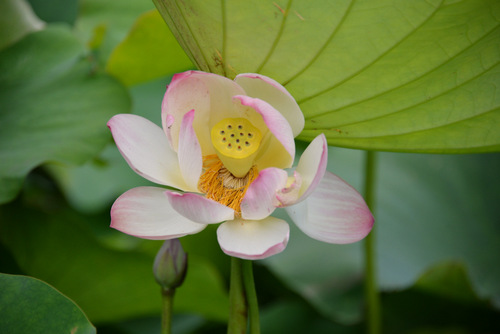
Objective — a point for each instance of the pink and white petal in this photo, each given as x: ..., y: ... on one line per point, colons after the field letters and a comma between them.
x: 210, y: 95
x: 277, y: 146
x: 190, y: 159
x: 334, y: 213
x: 311, y: 167
x: 269, y: 90
x: 144, y: 212
x: 260, y: 198
x: 275, y: 122
x: 146, y: 149
x: 198, y: 208
x: 253, y: 239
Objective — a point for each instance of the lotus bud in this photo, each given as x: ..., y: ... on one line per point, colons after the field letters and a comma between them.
x: 170, y: 265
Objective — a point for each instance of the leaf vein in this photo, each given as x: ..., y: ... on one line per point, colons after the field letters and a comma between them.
x: 427, y: 100
x: 414, y: 79
x: 431, y: 128
x: 278, y: 37
x: 374, y: 60
x: 323, y: 47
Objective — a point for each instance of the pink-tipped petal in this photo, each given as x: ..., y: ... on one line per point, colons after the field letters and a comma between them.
x: 260, y: 198
x: 199, y: 209
x: 276, y: 123
x: 146, y: 149
x: 207, y: 93
x: 269, y: 90
x: 334, y: 213
x: 144, y: 212
x: 279, y: 145
x: 190, y: 159
x: 253, y: 239
x: 310, y: 170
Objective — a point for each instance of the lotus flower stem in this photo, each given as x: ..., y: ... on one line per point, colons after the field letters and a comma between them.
x: 371, y: 291
x: 237, y: 323
x: 251, y: 294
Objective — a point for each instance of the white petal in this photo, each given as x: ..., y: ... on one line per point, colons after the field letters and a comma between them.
x: 144, y: 212
x: 309, y: 171
x: 210, y: 95
x: 334, y: 213
x: 190, y: 160
x: 253, y: 239
x: 146, y: 149
x: 269, y: 90
x: 199, y: 209
x: 260, y: 198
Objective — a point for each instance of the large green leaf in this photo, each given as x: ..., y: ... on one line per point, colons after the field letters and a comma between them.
x: 53, y: 107
x: 417, y: 76
x: 149, y: 52
x: 429, y: 209
x: 28, y: 305
x: 109, y: 282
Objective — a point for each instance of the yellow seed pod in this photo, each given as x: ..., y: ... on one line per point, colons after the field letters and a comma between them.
x: 236, y: 141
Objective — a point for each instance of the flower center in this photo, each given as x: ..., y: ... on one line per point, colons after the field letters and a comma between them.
x: 219, y: 184
x: 236, y: 142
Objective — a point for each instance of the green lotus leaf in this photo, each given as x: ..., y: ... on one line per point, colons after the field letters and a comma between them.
x: 414, y: 76
x: 28, y: 305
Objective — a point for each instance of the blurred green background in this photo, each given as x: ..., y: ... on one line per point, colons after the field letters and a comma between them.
x: 67, y: 66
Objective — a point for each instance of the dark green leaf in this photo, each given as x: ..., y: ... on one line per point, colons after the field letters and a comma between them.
x: 29, y: 305
x: 448, y: 280
x: 56, y: 10
x: 420, y: 310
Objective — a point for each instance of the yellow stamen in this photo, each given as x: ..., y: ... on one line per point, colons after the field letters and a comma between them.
x: 219, y: 184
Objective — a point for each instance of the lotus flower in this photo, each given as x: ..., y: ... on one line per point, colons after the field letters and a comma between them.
x: 227, y: 148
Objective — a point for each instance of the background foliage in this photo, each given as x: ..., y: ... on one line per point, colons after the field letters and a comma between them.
x: 416, y: 76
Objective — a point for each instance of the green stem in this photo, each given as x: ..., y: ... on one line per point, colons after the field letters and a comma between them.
x: 166, y: 314
x: 371, y: 291
x: 253, y: 305
x: 237, y: 323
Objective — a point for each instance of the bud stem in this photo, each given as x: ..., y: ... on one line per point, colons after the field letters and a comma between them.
x: 166, y: 314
